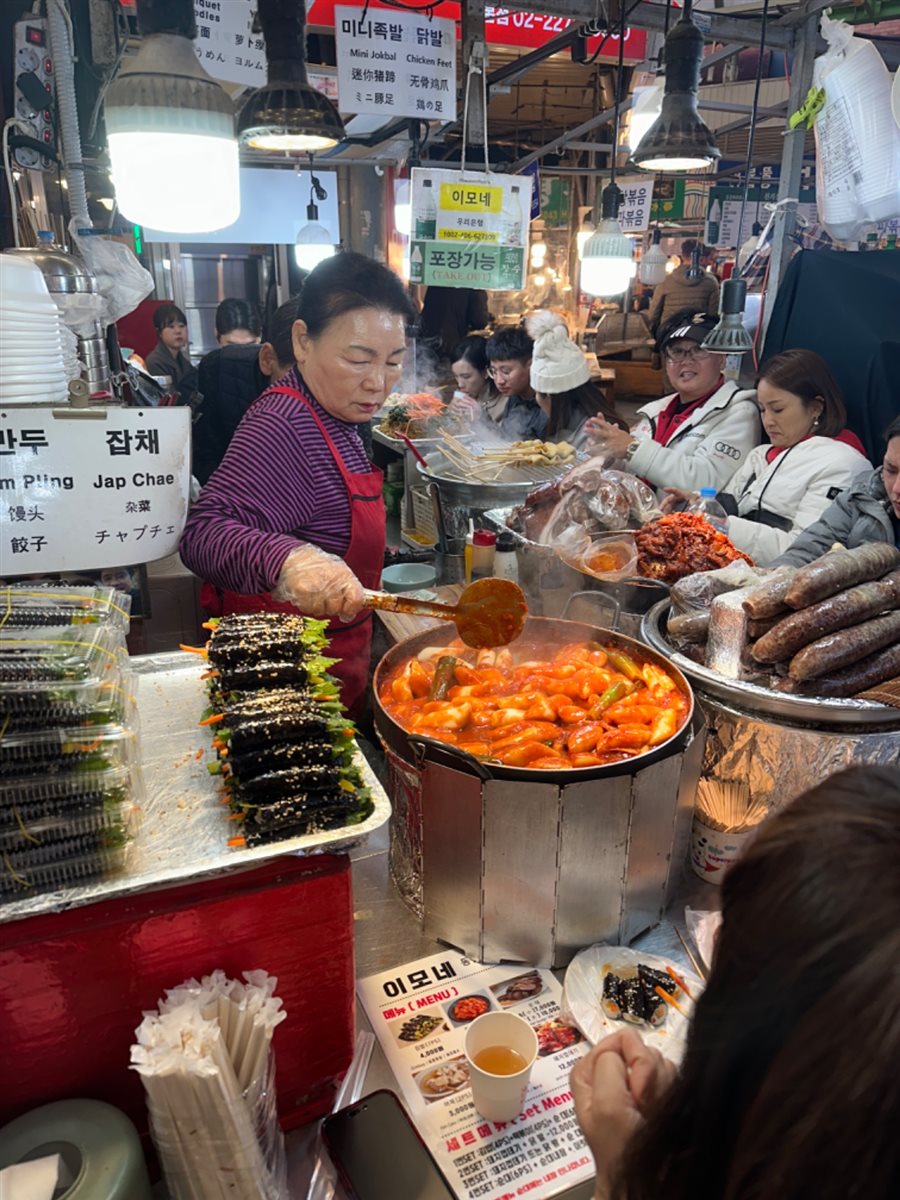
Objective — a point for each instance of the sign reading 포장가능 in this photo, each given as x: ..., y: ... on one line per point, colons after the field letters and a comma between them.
x: 469, y: 230
x: 107, y: 488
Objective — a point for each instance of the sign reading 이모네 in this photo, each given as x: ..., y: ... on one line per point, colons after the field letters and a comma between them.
x: 396, y: 64
x: 75, y: 491
x: 469, y: 230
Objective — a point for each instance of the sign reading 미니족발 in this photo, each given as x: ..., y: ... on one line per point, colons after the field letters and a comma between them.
x: 74, y: 491
x: 395, y: 64
x: 469, y: 230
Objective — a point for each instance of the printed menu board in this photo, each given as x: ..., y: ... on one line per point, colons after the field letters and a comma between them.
x: 420, y: 1013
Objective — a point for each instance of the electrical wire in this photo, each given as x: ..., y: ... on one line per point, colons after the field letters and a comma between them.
x: 12, y: 122
x: 620, y: 71
x: 67, y: 17
x: 754, y: 111
x: 104, y: 87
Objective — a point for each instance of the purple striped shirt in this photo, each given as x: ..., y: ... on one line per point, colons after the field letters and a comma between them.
x: 276, y: 487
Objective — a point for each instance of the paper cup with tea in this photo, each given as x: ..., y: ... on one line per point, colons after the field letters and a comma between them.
x: 500, y: 1051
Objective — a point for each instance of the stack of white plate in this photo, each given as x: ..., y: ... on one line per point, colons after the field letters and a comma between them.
x: 31, y: 354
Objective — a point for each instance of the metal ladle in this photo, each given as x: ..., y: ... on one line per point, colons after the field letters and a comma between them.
x: 489, y: 612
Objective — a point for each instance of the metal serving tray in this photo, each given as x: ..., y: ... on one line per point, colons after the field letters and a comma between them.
x: 184, y: 830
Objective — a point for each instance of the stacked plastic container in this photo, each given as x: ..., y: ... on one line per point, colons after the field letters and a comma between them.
x: 32, y: 367
x: 69, y: 775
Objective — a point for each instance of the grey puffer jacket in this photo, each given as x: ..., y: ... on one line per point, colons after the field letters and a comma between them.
x: 860, y: 514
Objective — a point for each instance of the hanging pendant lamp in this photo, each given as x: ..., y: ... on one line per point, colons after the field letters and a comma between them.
x: 679, y: 140
x: 652, y: 268
x: 163, y: 108
x: 287, y: 115
x: 730, y: 336
x: 607, y: 265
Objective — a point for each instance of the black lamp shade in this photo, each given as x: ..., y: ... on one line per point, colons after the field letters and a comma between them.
x: 289, y: 115
x: 679, y: 140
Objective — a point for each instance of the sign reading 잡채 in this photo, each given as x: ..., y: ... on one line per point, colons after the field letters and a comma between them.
x: 403, y: 65
x: 469, y: 230
x: 74, y: 491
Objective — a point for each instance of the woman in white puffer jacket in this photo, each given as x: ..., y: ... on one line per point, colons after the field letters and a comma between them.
x: 785, y: 486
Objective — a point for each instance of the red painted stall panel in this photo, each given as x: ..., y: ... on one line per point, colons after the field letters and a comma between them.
x: 73, y: 985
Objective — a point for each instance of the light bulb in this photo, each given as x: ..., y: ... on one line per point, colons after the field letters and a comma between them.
x: 671, y: 265
x: 653, y: 265
x: 607, y: 266
x: 583, y: 236
x: 163, y: 107
x: 402, y: 207
x: 308, y: 255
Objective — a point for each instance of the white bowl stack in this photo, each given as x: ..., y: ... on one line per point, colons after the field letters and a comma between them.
x: 31, y: 352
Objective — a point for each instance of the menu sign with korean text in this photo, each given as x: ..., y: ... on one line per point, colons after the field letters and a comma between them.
x: 231, y: 50
x: 420, y: 1013
x: 469, y: 230
x: 396, y: 64
x: 74, y: 491
x: 502, y: 26
x: 634, y: 215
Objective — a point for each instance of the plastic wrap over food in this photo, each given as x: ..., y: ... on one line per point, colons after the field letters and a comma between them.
x: 596, y: 501
x: 779, y: 762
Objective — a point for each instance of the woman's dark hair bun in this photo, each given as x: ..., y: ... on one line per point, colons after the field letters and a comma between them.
x: 347, y: 281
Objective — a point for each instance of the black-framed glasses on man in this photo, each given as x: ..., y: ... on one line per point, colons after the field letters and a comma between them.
x: 686, y: 353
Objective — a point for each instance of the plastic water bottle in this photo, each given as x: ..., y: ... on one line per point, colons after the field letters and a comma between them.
x: 707, y: 506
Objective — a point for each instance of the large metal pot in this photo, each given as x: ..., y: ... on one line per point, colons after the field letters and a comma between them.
x: 528, y: 865
x: 778, y: 744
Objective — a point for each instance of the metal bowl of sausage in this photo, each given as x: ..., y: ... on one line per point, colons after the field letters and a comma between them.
x: 788, y: 709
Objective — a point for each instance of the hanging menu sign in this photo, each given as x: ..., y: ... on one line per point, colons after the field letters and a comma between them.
x: 469, y: 230
x: 231, y: 50
x: 420, y: 1013
x: 109, y: 487
x: 634, y: 215
x: 396, y: 64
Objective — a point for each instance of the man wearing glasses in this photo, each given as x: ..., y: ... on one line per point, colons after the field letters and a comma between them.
x: 509, y: 357
x: 697, y: 437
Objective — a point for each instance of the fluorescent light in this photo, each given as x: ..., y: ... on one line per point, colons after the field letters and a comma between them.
x: 607, y: 265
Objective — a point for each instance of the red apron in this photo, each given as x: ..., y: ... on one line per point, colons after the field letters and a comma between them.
x: 351, y: 641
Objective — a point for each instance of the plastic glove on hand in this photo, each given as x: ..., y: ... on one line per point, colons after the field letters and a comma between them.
x: 319, y: 584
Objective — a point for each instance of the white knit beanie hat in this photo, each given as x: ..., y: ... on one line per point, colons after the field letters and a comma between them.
x: 557, y: 364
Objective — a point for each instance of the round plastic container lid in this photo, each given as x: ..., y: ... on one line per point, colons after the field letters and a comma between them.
x: 484, y: 537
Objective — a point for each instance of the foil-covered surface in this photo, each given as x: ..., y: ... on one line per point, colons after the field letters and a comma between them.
x: 183, y: 829
x: 780, y: 761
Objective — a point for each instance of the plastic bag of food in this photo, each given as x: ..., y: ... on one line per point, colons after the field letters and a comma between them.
x: 857, y: 139
x: 642, y: 503
x: 611, y: 558
x: 697, y: 592
x: 122, y: 281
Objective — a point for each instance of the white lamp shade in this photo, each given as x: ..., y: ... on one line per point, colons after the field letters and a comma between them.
x: 206, y: 196
x: 583, y: 236
x: 652, y: 268
x: 607, y: 266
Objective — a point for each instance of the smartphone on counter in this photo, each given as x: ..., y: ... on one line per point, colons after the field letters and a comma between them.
x: 378, y: 1152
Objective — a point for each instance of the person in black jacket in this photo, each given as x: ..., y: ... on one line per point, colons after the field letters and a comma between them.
x: 448, y: 314
x: 230, y: 379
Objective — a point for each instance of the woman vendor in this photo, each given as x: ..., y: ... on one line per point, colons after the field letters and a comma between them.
x: 786, y: 485
x: 561, y: 379
x: 697, y: 437
x: 293, y: 517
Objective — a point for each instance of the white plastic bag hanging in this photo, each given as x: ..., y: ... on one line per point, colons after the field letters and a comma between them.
x: 857, y: 140
x: 122, y: 281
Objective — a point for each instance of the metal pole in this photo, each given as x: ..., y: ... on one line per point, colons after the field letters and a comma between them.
x: 474, y: 49
x: 791, y: 163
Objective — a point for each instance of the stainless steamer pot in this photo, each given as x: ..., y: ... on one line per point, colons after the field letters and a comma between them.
x: 514, y: 864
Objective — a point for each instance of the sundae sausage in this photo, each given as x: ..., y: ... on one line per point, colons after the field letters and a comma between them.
x: 847, y: 608
x: 847, y: 646
x: 839, y: 570
x: 768, y: 599
x: 875, y: 669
